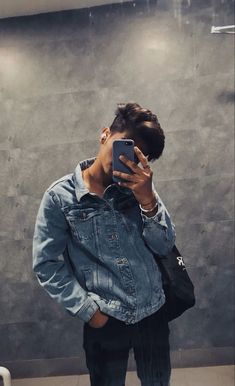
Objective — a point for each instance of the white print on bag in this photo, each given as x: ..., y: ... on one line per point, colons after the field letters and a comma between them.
x: 180, y: 261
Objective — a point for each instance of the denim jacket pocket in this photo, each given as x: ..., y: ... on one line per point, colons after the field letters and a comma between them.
x: 82, y: 223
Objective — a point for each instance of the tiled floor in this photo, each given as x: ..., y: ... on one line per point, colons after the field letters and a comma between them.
x: 198, y: 376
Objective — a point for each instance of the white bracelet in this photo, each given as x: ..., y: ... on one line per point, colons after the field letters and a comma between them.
x: 148, y: 210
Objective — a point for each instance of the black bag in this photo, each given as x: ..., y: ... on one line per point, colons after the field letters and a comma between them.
x: 178, y: 288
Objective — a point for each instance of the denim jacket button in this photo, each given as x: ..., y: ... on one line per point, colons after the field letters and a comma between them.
x: 113, y: 236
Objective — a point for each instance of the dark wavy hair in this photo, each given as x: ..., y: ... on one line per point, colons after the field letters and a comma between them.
x: 141, y: 125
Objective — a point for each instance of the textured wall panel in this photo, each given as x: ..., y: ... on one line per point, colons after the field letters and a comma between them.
x: 61, y: 76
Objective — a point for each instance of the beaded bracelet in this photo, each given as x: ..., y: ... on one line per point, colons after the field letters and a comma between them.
x: 148, y: 210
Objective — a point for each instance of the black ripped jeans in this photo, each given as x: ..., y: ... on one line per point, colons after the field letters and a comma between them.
x: 107, y: 350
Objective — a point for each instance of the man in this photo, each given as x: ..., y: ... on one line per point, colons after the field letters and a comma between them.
x: 93, y: 252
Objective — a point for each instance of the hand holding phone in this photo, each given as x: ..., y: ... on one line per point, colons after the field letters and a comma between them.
x: 138, y: 178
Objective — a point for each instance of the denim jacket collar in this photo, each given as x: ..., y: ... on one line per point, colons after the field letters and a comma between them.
x: 81, y: 189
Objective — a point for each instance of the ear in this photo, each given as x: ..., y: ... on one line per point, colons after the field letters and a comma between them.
x: 104, y: 134
x: 106, y: 130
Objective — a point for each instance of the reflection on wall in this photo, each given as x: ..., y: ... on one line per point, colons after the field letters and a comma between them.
x: 61, y: 76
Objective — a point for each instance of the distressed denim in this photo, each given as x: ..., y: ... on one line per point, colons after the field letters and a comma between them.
x: 109, y: 263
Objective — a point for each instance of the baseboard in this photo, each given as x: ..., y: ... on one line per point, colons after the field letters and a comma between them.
x: 216, y: 356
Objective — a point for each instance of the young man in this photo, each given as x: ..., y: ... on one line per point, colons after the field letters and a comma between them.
x: 93, y: 252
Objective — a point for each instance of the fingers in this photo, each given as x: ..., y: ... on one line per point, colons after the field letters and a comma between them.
x: 139, y: 174
x: 125, y: 176
x: 132, y: 165
x: 143, y: 160
x: 126, y: 184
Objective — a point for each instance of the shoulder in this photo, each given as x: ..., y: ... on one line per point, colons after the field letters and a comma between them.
x: 62, y: 181
x: 62, y: 190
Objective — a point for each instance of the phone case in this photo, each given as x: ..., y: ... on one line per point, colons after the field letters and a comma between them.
x: 126, y: 148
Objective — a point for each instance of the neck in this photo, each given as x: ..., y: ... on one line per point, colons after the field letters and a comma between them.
x: 95, y: 177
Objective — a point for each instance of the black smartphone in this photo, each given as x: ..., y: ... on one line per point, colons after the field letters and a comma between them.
x: 123, y: 147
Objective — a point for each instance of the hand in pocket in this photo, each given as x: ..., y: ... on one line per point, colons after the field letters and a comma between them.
x: 98, y: 320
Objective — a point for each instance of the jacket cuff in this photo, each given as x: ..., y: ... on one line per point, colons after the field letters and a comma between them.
x: 87, y: 310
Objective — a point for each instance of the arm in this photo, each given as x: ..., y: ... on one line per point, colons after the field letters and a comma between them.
x: 49, y: 243
x: 158, y: 229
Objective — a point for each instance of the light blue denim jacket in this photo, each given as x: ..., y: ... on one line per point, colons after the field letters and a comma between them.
x: 110, y: 244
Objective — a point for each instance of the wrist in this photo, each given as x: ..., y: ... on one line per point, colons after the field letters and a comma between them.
x: 150, y: 211
x: 149, y: 208
x: 148, y: 204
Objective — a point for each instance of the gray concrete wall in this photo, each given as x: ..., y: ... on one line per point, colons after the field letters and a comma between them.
x: 61, y: 75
